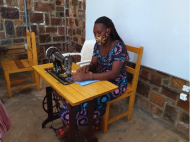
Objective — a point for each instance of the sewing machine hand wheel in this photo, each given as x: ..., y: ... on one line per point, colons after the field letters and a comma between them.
x: 55, y: 103
x: 51, y: 50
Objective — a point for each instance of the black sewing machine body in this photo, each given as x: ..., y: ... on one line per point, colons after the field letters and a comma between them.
x: 62, y: 66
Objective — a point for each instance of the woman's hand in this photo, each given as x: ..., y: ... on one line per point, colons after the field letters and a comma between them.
x: 83, y: 69
x: 81, y: 76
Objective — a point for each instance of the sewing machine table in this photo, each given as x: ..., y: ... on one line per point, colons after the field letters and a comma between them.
x: 75, y: 95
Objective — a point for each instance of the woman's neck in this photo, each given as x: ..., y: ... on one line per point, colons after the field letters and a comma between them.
x: 106, y: 48
x: 107, y: 44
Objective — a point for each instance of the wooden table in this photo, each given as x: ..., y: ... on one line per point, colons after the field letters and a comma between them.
x: 75, y: 95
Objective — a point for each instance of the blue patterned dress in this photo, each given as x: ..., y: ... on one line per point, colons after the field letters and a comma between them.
x: 118, y: 53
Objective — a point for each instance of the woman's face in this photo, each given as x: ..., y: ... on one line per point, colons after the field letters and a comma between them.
x: 100, y: 32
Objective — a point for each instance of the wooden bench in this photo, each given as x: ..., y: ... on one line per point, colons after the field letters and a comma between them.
x: 16, y: 66
x: 130, y: 92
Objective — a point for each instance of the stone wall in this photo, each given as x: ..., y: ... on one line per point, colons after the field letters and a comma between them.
x: 60, y: 23
x: 161, y: 103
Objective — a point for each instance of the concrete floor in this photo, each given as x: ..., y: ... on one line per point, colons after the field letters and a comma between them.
x: 27, y: 115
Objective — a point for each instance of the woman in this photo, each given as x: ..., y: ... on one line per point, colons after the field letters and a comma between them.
x: 110, y: 54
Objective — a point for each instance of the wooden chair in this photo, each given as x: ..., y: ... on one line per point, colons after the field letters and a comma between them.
x: 130, y: 92
x: 16, y: 66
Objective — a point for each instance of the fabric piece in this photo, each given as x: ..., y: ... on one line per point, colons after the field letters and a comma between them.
x: 118, y: 53
x: 5, y: 123
x: 86, y: 82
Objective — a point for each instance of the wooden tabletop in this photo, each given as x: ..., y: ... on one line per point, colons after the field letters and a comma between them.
x: 74, y: 93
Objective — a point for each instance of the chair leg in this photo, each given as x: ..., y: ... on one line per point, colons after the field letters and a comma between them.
x: 32, y: 76
x: 131, y: 104
x: 105, y: 119
x: 37, y: 76
x: 111, y: 104
x: 8, y: 83
x: 5, y: 79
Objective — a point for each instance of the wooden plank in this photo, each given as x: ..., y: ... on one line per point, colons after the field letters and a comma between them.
x: 130, y: 70
x: 76, y: 95
x: 29, y: 61
x: 129, y: 88
x: 105, y: 86
x: 19, y: 64
x: 49, y: 65
x: 132, y: 49
x: 87, y: 93
x: 118, y: 117
x: 25, y: 63
x: 99, y: 88
x: 14, y: 51
x: 30, y: 49
x: 37, y: 77
x: 21, y: 77
x: 20, y: 70
x: 12, y: 65
x: 34, y: 50
x: 17, y: 81
x: 5, y: 65
x: 7, y: 78
x: 77, y: 88
x: 111, y: 85
x: 23, y: 86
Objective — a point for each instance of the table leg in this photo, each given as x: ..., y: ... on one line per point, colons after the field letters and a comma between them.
x: 37, y: 77
x: 51, y: 116
x: 90, y: 137
x: 72, y: 123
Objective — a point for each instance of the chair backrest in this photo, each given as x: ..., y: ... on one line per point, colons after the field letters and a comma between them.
x: 136, y: 70
x: 87, y: 50
x: 31, y: 47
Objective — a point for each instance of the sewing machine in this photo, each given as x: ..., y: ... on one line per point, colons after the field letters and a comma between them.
x: 60, y: 72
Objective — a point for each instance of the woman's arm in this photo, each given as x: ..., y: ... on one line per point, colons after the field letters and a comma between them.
x: 91, y: 67
x: 110, y: 75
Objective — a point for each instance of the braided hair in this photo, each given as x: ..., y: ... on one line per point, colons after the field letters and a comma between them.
x: 114, y: 35
x: 109, y: 24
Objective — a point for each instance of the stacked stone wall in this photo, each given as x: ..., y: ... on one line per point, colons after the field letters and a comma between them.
x: 158, y: 94
x: 59, y: 23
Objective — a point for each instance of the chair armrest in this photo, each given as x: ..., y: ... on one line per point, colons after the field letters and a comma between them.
x: 87, y: 62
x: 71, y: 54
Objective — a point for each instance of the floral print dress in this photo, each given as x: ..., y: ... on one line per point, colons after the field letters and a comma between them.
x: 118, y: 53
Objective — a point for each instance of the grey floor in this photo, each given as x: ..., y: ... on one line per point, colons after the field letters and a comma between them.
x: 27, y: 115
